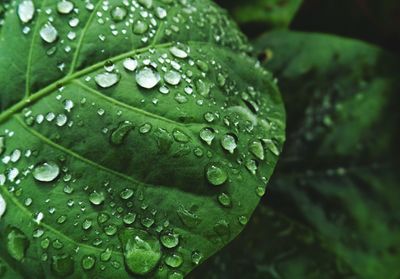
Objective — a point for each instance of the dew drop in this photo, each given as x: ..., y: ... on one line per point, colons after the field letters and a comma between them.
x: 172, y: 77
x: 106, y: 80
x: 142, y: 251
x: 130, y: 64
x: 224, y: 200
x: 169, y: 239
x: 147, y: 77
x: 17, y: 243
x: 175, y: 260
x: 207, y: 135
x: 3, y: 206
x: 49, y: 33
x: 65, y: 7
x: 118, y: 136
x: 228, y: 142
x: 46, y: 172
x: 196, y: 257
x: 257, y: 149
x: 178, y: 51
x: 96, y: 198
x: 216, y: 175
x: 88, y: 262
x: 140, y: 27
x: 118, y: 13
x: 26, y: 11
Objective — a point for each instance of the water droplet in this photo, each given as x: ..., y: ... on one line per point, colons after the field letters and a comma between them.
x: 3, y: 206
x: 105, y: 256
x: 161, y: 13
x: 203, y: 88
x: 129, y: 218
x: 49, y: 33
x: 119, y: 134
x: 2, y: 144
x: 62, y: 265
x: 140, y: 27
x: 243, y: 220
x: 126, y: 194
x: 130, y: 64
x: 208, y: 135
x: 147, y: 77
x: 17, y: 243
x: 228, y: 142
x: 175, y: 260
x: 106, y: 80
x: 175, y: 275
x: 65, y: 7
x: 252, y: 166
x: 222, y: 229
x: 169, y: 239
x: 118, y: 13
x: 96, y: 198
x: 180, y: 136
x: 271, y: 146
x: 216, y: 175
x: 196, y: 257
x: 26, y: 11
x: 172, y: 77
x: 46, y: 172
x: 142, y: 251
x: 224, y: 200
x: 179, y: 51
x: 88, y: 262
x: 257, y: 149
x: 145, y: 128
x: 188, y: 218
x: 260, y: 191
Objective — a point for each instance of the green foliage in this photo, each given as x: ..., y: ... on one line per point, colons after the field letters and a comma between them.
x: 332, y: 209
x: 125, y: 153
x: 267, y: 13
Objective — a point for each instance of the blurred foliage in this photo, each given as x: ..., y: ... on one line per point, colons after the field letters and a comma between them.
x: 376, y: 21
x: 257, y: 16
x: 332, y: 210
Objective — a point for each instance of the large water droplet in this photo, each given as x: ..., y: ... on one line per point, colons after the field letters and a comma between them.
x: 118, y: 13
x: 140, y: 27
x: 65, y: 7
x: 216, y: 175
x: 172, y: 77
x: 208, y: 135
x: 147, y: 77
x: 169, y: 239
x: 179, y: 51
x: 96, y: 198
x: 49, y: 33
x: 130, y: 64
x: 228, y: 142
x: 106, y: 80
x: 117, y: 137
x: 46, y: 172
x: 142, y: 251
x: 17, y: 243
x: 257, y: 149
x: 175, y: 260
x: 26, y: 11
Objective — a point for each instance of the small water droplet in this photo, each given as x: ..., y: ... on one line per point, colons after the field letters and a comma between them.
x: 140, y: 27
x: 179, y: 51
x: 96, y: 198
x: 88, y: 262
x: 175, y: 260
x: 119, y: 134
x: 46, y: 172
x: 130, y: 64
x: 257, y: 149
x: 196, y: 257
x: 169, y: 239
x: 118, y: 13
x: 147, y: 77
x: 65, y: 7
x: 228, y: 142
x: 207, y: 135
x: 172, y: 77
x: 224, y: 200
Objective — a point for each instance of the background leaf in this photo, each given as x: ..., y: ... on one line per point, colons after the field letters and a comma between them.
x: 332, y: 209
x: 125, y: 153
x: 257, y: 16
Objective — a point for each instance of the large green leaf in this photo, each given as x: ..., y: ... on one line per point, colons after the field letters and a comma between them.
x: 332, y: 209
x: 125, y: 153
x: 263, y: 13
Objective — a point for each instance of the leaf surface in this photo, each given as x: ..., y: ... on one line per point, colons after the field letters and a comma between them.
x: 135, y: 138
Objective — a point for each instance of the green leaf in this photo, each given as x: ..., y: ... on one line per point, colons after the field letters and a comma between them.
x: 268, y: 13
x: 332, y: 209
x: 126, y: 153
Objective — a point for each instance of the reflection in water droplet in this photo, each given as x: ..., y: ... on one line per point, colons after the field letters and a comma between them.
x: 26, y: 11
x: 49, y: 33
x: 46, y: 172
x: 147, y: 77
x: 216, y: 175
x: 142, y: 251
x: 106, y: 80
x: 17, y: 243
